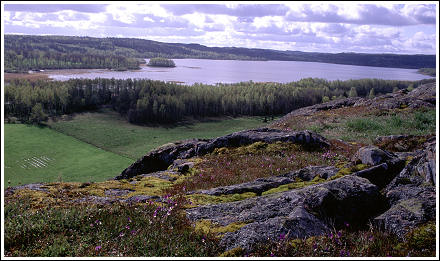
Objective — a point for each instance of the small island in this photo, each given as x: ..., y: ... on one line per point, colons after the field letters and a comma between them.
x: 161, y: 62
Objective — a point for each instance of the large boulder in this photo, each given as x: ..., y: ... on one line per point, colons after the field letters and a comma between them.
x: 385, y: 165
x: 163, y: 157
x: 372, y: 155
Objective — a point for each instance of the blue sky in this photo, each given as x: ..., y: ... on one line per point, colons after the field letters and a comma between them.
x: 371, y: 27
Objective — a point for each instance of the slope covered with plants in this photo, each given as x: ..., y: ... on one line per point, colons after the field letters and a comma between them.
x: 282, y: 190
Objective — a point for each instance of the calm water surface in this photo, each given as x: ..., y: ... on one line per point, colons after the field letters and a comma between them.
x: 190, y: 71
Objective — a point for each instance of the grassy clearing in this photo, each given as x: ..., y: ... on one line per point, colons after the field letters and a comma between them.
x: 39, y: 154
x: 363, y: 125
x: 109, y: 131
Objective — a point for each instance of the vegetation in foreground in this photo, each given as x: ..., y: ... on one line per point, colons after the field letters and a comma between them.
x: 116, y: 230
x: 161, y: 229
x: 39, y: 154
x: 420, y: 242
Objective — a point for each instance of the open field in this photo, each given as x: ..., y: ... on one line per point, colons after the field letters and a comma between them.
x: 109, y: 131
x: 37, y: 154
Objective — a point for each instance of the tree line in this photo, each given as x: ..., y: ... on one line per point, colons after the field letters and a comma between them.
x: 131, y: 48
x: 148, y: 101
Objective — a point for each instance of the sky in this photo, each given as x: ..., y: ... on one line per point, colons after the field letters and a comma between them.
x: 332, y: 27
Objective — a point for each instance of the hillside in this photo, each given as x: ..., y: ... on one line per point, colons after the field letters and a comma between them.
x: 27, y: 52
x: 332, y: 179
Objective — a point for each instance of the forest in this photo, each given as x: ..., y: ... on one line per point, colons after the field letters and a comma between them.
x: 26, y: 52
x: 148, y: 101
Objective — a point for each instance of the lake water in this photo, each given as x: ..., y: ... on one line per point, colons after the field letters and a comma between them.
x: 190, y: 71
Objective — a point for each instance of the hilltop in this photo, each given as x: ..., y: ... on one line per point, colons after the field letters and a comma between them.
x: 71, y: 52
x: 350, y: 177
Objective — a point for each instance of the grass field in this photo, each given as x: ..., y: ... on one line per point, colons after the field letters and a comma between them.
x: 109, y: 131
x: 37, y: 154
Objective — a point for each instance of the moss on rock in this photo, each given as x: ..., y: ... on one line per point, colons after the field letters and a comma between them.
x: 203, y: 199
x: 206, y: 226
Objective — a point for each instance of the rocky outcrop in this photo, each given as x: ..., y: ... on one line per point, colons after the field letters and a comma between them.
x: 331, y: 105
x: 411, y: 195
x: 260, y: 185
x: 257, y: 186
x: 163, y: 157
x: 403, y: 143
x: 422, y: 96
x: 299, y: 213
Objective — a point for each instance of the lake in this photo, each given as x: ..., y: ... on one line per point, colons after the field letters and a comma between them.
x: 190, y: 71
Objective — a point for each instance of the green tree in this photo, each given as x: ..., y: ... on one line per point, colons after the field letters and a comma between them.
x: 353, y: 92
x: 38, y: 115
x: 372, y: 94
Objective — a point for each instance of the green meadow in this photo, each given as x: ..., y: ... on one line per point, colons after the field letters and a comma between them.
x: 96, y: 146
x: 39, y: 154
x: 111, y: 132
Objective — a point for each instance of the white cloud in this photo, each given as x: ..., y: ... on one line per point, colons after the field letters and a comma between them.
x: 6, y: 16
x: 121, y: 13
x: 267, y: 21
x: 196, y: 19
x: 326, y: 27
x: 148, y: 19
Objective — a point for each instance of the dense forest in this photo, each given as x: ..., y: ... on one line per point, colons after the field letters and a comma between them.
x: 34, y: 53
x: 21, y: 52
x: 148, y: 101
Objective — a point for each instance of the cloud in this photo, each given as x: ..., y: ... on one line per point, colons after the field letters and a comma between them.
x: 324, y: 27
x: 362, y: 14
x: 50, y: 8
x: 241, y: 10
x: 424, y: 14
